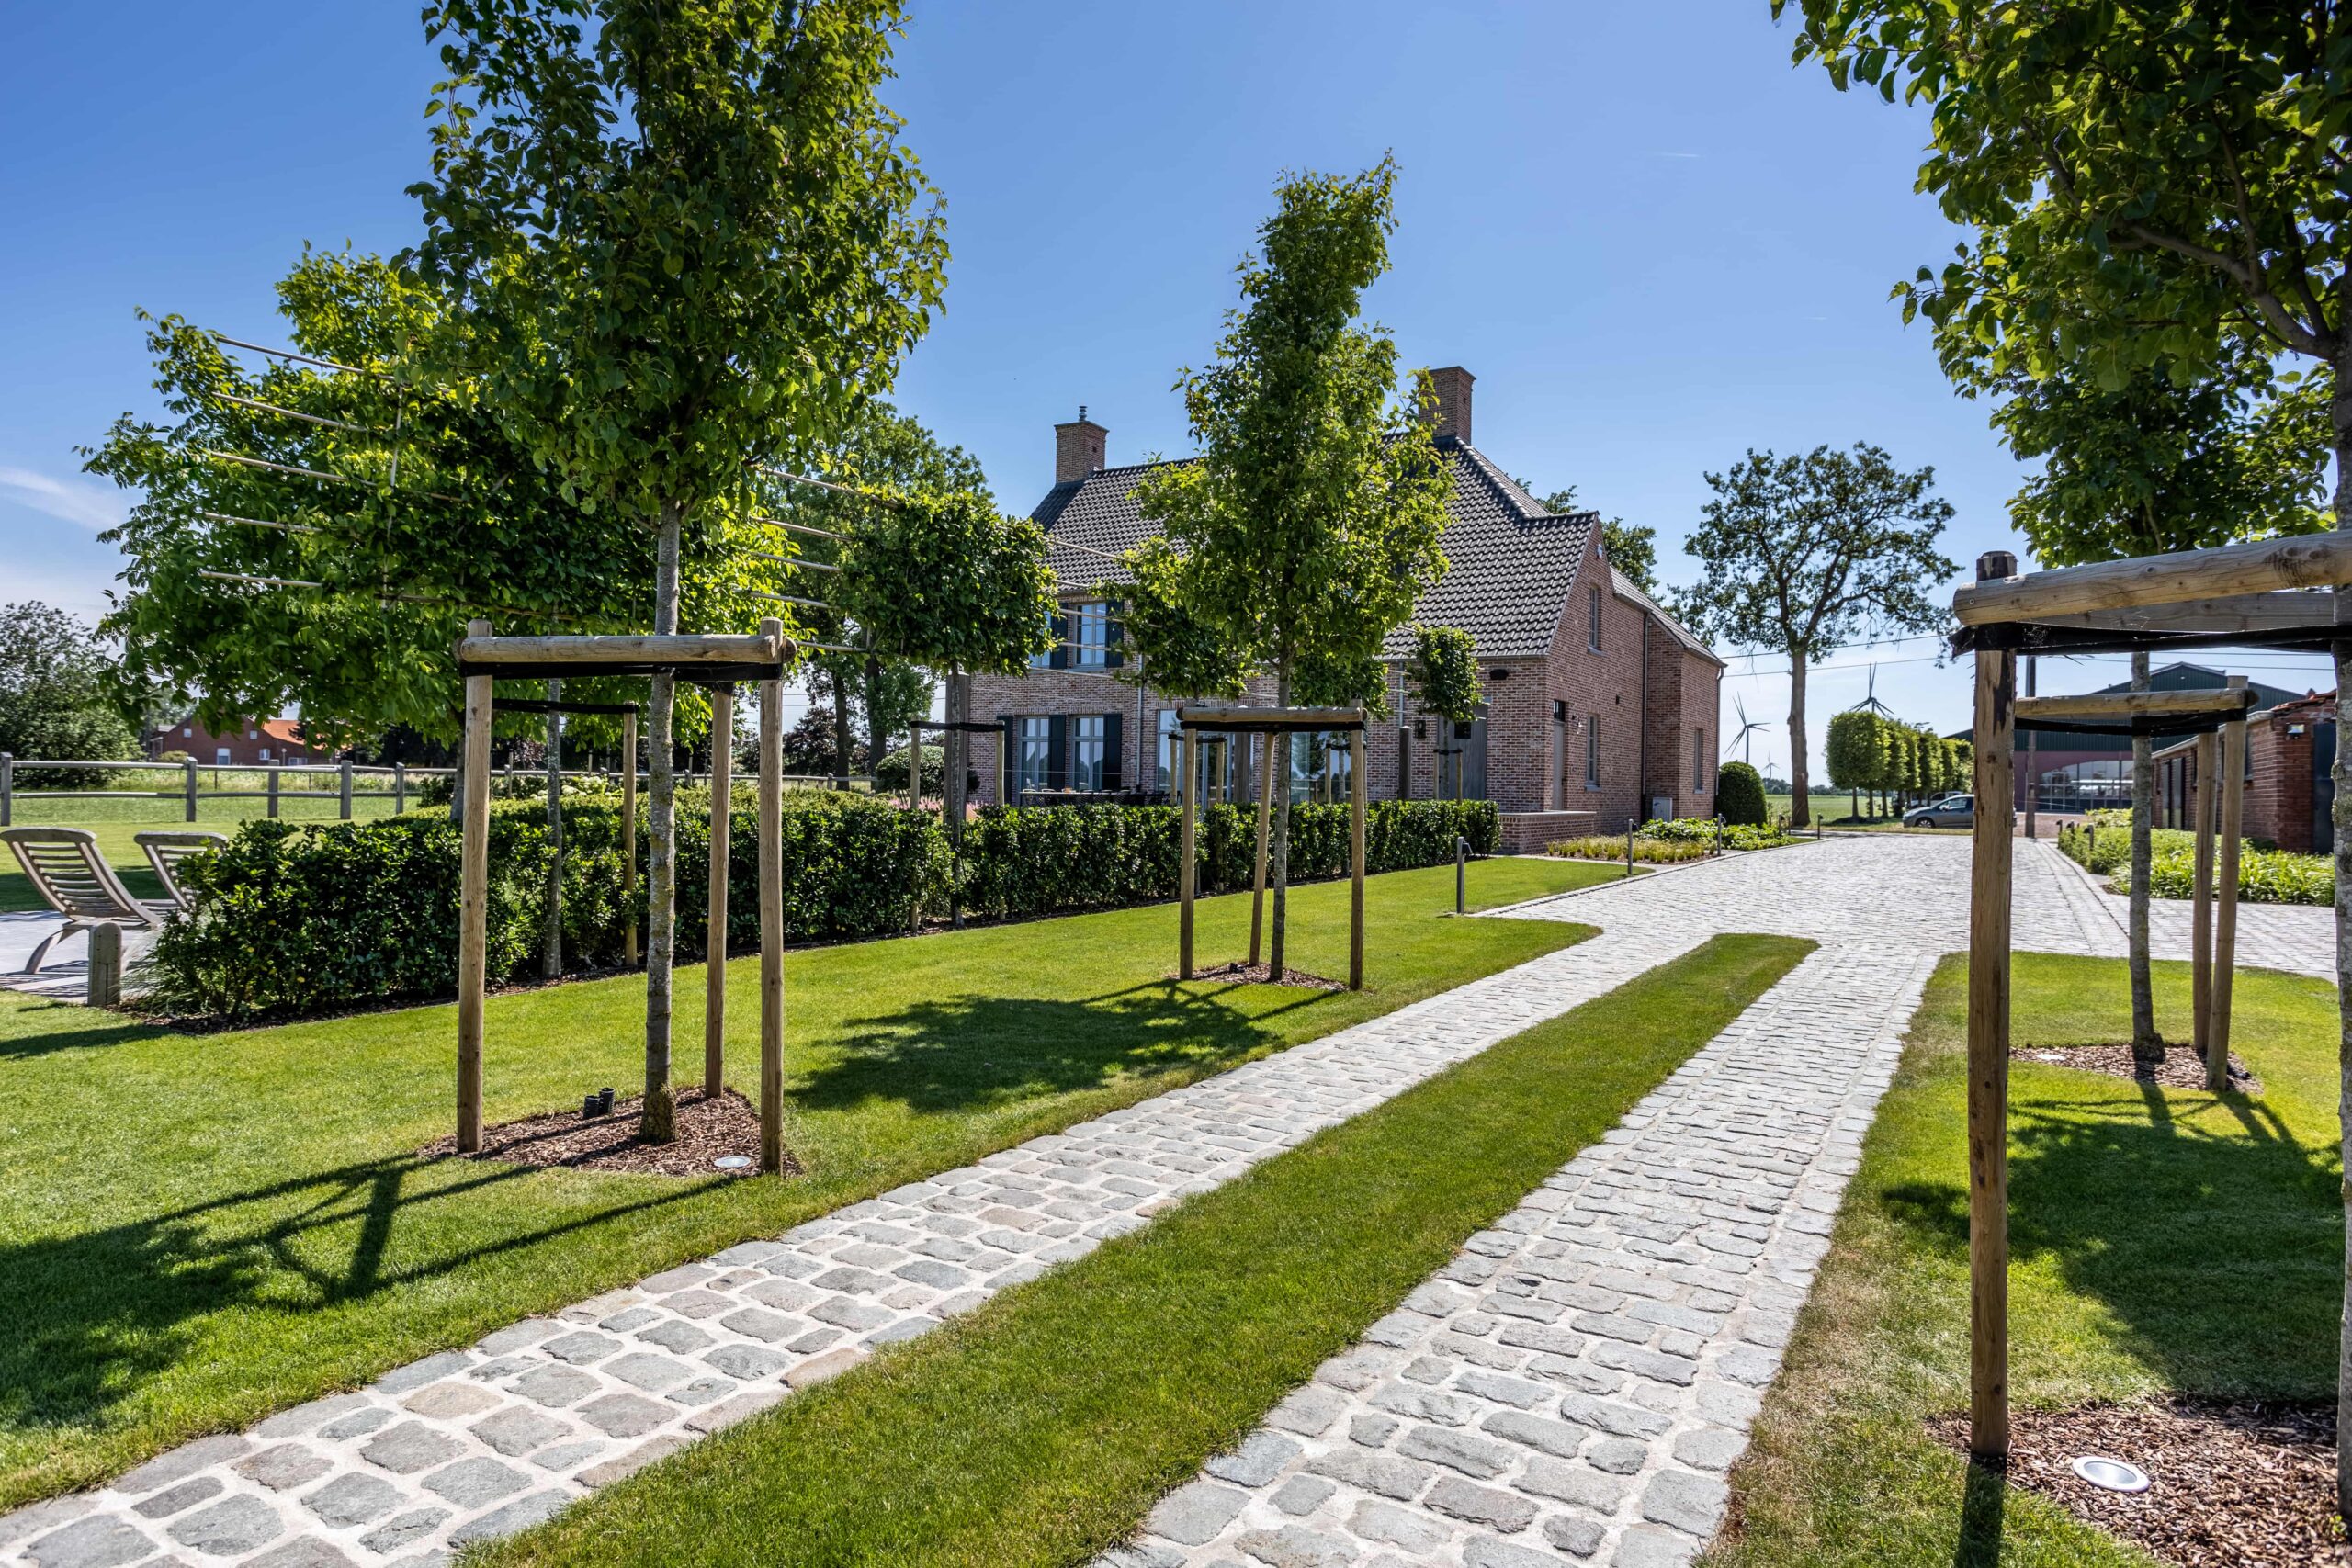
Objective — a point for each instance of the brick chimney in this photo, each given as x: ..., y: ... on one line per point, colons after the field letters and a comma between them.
x: 1451, y: 415
x: 1078, y: 447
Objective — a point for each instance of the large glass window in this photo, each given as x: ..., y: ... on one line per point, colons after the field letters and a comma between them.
x: 1086, y: 752
x: 1035, y: 760
x: 1319, y: 768
x: 1165, y: 759
x: 1089, y: 633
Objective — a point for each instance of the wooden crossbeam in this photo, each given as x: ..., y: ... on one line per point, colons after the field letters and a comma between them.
x: 593, y: 650
x: 2285, y: 610
x: 2121, y: 707
x: 2309, y: 561
x: 1270, y: 719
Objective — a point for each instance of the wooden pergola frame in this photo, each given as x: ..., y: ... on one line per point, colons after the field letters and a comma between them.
x: 716, y: 661
x: 1268, y: 722
x: 2236, y: 596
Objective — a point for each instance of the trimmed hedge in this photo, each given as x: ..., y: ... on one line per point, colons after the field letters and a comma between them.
x: 1739, y: 795
x: 295, y: 919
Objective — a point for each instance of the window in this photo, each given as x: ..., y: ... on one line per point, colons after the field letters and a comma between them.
x: 1560, y: 730
x: 185, y: 733
x: 1592, y: 634
x: 1319, y: 768
x: 1161, y: 779
x: 1699, y: 758
x: 220, y: 755
x: 264, y: 753
x: 1086, y: 752
x: 1033, y: 768
x: 1090, y: 625
x: 1592, y: 750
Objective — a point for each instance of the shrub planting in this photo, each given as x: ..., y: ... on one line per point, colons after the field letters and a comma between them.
x: 2264, y: 876
x: 1651, y: 852
x: 1739, y: 795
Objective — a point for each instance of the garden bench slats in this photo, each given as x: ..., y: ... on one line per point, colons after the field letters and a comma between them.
x: 65, y: 864
x: 165, y: 848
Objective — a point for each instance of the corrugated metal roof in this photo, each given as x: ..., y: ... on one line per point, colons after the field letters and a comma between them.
x: 1511, y: 564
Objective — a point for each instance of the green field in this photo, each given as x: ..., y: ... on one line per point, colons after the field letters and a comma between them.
x: 197, y: 1230
x: 115, y: 820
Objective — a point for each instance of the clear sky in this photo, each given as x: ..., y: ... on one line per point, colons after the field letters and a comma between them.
x: 1655, y: 242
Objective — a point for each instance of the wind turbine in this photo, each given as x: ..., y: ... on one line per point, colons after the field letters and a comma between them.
x: 1747, y: 726
x: 1869, y: 703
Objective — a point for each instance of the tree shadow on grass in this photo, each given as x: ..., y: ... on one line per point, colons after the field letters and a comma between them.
x: 101, y: 1029
x: 967, y: 1053
x: 2218, y: 1257
x: 90, y: 1317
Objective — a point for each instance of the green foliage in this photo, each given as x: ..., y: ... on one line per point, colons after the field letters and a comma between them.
x: 951, y: 583
x: 2153, y: 185
x: 1442, y: 674
x: 1869, y: 750
x: 1178, y: 650
x: 2264, y: 876
x: 57, y: 696
x: 1757, y: 836
x: 890, y: 772
x: 1309, y: 523
x: 854, y: 866
x: 1630, y: 549
x: 1739, y: 795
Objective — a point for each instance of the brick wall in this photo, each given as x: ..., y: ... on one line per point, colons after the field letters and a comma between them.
x: 2279, y: 790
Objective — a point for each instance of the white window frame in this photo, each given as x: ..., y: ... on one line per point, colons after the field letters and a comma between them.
x: 1090, y: 634
x: 1163, y: 776
x: 221, y: 756
x: 1087, y: 744
x: 1035, y: 758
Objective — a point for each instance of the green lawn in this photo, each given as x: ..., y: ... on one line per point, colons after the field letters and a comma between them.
x: 2161, y: 1240
x: 195, y: 1230
x: 1038, y: 1429
x: 114, y: 822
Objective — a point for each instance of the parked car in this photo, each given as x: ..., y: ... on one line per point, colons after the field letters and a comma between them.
x: 1952, y: 811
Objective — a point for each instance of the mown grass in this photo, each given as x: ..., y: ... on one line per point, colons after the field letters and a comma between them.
x: 195, y: 1230
x: 1038, y: 1429
x: 2163, y: 1240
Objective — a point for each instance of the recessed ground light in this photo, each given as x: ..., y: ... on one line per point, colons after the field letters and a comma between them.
x: 737, y: 1162
x: 2111, y: 1473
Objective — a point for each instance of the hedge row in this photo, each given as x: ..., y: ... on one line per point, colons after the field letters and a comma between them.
x: 294, y: 919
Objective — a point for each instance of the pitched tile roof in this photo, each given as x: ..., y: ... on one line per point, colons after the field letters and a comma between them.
x: 1511, y: 564
x: 1631, y: 591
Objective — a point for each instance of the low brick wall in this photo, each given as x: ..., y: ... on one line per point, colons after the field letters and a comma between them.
x: 1526, y: 832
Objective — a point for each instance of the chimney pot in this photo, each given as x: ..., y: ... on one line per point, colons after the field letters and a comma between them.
x: 1451, y: 413
x: 1079, y: 447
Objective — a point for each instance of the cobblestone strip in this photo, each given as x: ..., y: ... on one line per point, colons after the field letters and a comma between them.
x: 1574, y: 1384
x: 469, y: 1444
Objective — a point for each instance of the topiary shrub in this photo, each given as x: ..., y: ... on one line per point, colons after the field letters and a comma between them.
x: 1739, y: 795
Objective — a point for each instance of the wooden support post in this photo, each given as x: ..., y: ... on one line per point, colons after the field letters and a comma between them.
x: 772, y: 918
x: 1988, y: 1045
x: 628, y: 837
x: 2032, y: 820
x: 473, y: 903
x: 551, y: 918
x: 1265, y: 822
x: 343, y: 788
x: 273, y: 794
x: 2225, y: 921
x: 714, y: 991
x: 187, y: 777
x: 1187, y: 786
x: 399, y: 788
x: 1355, y: 828
x: 2201, y: 917
x: 105, y: 965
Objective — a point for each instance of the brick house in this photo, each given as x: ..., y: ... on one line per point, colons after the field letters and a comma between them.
x: 2290, y: 789
x: 246, y: 744
x: 1599, y: 708
x: 2080, y: 771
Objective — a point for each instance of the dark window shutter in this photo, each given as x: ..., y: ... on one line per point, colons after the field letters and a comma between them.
x: 1058, y: 752
x: 1113, y: 635
x: 1060, y: 658
x: 1008, y: 766
x: 1114, y: 770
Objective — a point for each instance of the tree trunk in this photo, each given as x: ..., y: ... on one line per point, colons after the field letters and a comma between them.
x: 1800, y: 783
x: 551, y: 933
x: 659, y: 1124
x: 877, y: 739
x: 2147, y: 1046
x: 951, y: 790
x: 1279, y: 853
x: 842, y: 766
x: 2341, y: 816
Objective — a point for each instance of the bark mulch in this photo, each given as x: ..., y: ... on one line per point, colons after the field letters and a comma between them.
x: 2233, y: 1483
x: 1239, y: 974
x: 709, y: 1126
x: 2181, y: 1068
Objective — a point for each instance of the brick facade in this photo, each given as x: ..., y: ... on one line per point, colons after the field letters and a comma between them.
x: 2278, y: 778
x: 249, y: 743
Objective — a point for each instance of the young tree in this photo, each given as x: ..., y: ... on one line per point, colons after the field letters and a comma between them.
x: 1630, y: 549
x: 1443, y: 678
x: 2153, y: 465
x: 58, y: 695
x: 1309, y: 523
x: 687, y: 242
x: 1800, y: 553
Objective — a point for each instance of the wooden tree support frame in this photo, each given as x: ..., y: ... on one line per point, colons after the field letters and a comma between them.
x: 2245, y: 591
x: 718, y: 661
x: 1272, y: 723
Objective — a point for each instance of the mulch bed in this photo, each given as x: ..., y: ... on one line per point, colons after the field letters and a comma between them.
x: 2236, y: 1484
x: 1260, y: 974
x: 2181, y: 1068
x: 709, y: 1126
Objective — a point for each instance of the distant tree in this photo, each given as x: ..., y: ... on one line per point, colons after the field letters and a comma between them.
x: 1800, y: 553
x: 687, y: 242
x: 1739, y: 795
x: 1857, y: 762
x: 1630, y: 549
x: 57, y: 695
x: 1310, y: 525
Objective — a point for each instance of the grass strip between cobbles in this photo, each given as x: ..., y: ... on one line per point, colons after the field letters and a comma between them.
x: 1040, y: 1427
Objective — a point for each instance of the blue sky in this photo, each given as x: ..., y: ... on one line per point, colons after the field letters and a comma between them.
x: 1654, y: 241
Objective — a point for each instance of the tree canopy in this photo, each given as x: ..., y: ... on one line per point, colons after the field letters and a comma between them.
x: 59, y: 693
x: 1442, y: 674
x: 1629, y: 547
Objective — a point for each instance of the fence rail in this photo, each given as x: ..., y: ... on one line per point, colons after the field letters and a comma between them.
x: 395, y: 780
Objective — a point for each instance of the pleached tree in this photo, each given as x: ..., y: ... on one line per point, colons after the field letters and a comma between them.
x: 687, y: 242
